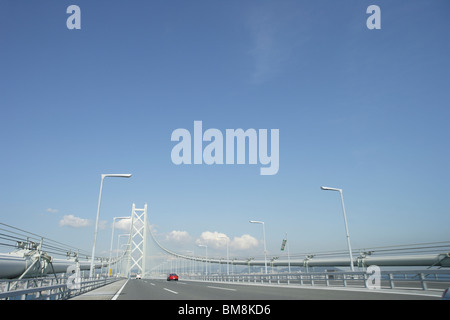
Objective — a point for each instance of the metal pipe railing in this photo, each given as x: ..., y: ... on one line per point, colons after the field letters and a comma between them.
x: 48, y: 288
x: 411, y: 279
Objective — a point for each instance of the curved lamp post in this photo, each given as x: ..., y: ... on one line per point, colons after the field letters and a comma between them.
x: 346, y: 227
x: 91, y: 273
x: 264, y: 235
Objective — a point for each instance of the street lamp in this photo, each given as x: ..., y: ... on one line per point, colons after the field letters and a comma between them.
x: 117, y: 250
x: 206, y: 258
x: 112, y: 240
x: 346, y: 227
x: 228, y: 256
x: 192, y: 260
x: 264, y: 235
x: 91, y: 273
x: 289, y: 257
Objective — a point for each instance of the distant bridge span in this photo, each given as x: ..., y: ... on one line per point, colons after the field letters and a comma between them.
x: 30, y: 258
x: 363, y: 260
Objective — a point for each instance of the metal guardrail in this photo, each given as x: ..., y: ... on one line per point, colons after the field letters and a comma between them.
x: 410, y: 279
x: 47, y: 288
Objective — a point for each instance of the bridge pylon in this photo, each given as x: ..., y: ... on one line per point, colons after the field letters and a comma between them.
x: 137, y: 242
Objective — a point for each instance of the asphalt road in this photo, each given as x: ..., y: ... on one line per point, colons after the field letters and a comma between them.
x: 157, y: 289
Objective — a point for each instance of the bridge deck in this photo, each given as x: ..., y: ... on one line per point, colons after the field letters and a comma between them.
x: 103, y: 293
x: 157, y: 289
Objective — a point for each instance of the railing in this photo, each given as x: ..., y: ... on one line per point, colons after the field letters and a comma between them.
x: 410, y: 279
x: 48, y: 288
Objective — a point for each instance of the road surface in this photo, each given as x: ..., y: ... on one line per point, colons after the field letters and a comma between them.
x: 158, y: 289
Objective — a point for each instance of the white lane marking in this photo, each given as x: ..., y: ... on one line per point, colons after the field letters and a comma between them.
x: 222, y: 288
x: 152, y: 283
x: 170, y: 290
x: 120, y: 290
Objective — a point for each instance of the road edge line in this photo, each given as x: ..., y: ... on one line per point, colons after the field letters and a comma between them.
x: 120, y: 291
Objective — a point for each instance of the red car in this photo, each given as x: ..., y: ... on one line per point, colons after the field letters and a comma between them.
x: 172, y: 276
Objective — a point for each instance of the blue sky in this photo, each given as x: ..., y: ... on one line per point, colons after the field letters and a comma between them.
x: 362, y: 110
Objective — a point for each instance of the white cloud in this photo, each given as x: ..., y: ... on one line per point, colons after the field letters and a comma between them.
x: 213, y: 239
x: 51, y: 210
x: 75, y: 222
x: 178, y: 236
x: 244, y: 242
x: 123, y: 224
x: 219, y: 240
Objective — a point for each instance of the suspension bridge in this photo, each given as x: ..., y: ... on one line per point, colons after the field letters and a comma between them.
x: 35, y: 267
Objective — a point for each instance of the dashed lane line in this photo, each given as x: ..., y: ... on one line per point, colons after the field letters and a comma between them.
x: 170, y: 290
x: 222, y: 288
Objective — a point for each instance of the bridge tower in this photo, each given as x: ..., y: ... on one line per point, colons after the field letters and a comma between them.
x: 137, y: 242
